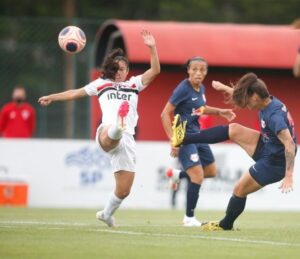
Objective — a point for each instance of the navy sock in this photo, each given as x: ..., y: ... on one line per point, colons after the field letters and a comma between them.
x: 183, y: 174
x: 210, y: 136
x: 235, y: 207
x: 192, y: 198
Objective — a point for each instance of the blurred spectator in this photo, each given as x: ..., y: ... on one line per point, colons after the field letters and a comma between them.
x: 17, y: 118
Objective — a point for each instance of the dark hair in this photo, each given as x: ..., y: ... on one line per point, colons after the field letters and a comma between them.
x: 189, y: 61
x: 248, y: 85
x: 111, y: 63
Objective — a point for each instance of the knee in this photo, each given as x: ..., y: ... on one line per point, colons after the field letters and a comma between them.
x: 238, y: 191
x: 210, y: 173
x: 196, y: 178
x: 122, y: 194
x: 125, y: 194
x: 105, y: 142
x: 234, y: 129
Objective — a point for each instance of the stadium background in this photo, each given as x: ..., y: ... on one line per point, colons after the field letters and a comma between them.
x: 30, y: 54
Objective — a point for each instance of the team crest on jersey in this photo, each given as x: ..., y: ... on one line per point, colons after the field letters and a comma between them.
x: 25, y: 114
x: 263, y: 124
x: 194, y: 157
x: 199, y: 111
x: 118, y: 86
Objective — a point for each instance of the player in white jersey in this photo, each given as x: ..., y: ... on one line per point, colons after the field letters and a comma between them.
x: 118, y: 100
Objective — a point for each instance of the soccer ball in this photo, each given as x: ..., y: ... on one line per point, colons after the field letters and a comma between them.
x: 71, y: 39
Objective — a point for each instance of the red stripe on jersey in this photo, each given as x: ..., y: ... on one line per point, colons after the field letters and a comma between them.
x: 104, y: 86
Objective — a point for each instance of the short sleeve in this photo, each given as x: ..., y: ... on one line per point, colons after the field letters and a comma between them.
x: 136, y: 82
x: 179, y: 95
x: 277, y: 124
x: 93, y: 87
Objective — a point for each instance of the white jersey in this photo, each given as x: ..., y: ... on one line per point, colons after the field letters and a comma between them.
x: 111, y: 94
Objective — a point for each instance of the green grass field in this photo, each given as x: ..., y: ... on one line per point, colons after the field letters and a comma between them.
x: 70, y: 233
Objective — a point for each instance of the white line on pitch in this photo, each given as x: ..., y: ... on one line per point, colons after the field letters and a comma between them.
x: 267, y: 242
x: 70, y: 224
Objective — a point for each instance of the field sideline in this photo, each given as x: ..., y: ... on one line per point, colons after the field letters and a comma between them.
x: 75, y: 233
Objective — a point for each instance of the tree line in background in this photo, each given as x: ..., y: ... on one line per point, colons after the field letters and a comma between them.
x: 233, y: 11
x: 30, y: 54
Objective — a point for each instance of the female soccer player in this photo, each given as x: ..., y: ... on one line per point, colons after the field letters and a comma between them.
x: 273, y: 150
x: 197, y: 160
x: 118, y: 101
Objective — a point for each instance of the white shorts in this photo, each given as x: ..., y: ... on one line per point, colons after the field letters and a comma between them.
x: 122, y: 157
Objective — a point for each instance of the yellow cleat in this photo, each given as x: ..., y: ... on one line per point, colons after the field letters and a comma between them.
x: 211, y: 226
x: 178, y: 131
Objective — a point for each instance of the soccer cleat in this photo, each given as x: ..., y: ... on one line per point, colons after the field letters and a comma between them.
x: 122, y: 113
x: 110, y: 221
x: 211, y: 226
x: 173, y: 175
x: 191, y: 222
x: 178, y: 131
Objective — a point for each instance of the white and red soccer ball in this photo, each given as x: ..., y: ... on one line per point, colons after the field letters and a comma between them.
x: 72, y: 39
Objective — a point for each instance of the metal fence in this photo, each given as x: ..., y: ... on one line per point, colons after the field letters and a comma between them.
x: 30, y: 56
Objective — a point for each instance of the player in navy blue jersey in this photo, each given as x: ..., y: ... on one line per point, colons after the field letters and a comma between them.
x: 197, y: 160
x: 273, y: 150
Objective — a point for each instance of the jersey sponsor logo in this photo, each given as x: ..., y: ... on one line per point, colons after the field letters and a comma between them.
x: 199, y: 111
x: 119, y: 86
x: 284, y: 108
x: 194, y: 157
x: 194, y: 98
x: 122, y: 94
x: 119, y: 96
x: 254, y: 168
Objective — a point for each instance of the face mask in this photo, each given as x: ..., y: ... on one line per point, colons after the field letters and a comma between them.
x: 19, y: 100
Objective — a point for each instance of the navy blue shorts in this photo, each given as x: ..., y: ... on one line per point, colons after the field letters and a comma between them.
x: 267, y: 169
x: 195, y: 154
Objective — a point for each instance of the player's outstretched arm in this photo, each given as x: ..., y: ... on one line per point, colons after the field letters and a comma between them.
x: 154, y: 69
x: 62, y: 96
x: 227, y: 114
x: 222, y: 87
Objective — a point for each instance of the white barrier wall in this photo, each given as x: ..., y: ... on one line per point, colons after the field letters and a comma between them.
x: 74, y: 173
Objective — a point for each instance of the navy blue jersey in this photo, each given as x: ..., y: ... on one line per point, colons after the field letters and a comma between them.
x: 274, y: 118
x: 188, y: 102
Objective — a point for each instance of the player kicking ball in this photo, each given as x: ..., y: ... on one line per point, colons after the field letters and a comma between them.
x: 118, y: 98
x: 273, y: 150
